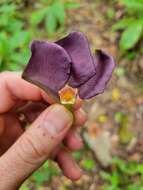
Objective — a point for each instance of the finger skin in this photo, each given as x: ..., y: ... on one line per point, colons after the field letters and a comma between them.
x: 68, y: 165
x: 34, y: 146
x: 1, y: 126
x: 80, y: 117
x: 15, y: 91
x: 78, y: 104
x: 11, y: 131
x: 32, y: 110
x: 14, y: 88
x: 73, y: 140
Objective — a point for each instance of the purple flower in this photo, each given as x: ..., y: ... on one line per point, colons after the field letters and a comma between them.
x: 69, y: 61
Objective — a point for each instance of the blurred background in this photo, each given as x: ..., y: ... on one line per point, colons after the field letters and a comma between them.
x: 113, y: 152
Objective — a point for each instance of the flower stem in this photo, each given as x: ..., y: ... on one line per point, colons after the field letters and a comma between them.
x: 69, y: 107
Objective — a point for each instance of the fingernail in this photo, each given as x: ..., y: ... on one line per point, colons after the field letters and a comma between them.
x: 57, y: 119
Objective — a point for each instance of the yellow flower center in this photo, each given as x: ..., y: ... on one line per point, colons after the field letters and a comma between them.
x: 68, y: 95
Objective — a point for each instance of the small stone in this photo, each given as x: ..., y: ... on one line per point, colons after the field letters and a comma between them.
x: 93, y: 187
x: 66, y: 181
x: 101, y: 146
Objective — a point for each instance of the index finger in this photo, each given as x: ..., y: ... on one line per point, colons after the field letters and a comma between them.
x: 14, y: 88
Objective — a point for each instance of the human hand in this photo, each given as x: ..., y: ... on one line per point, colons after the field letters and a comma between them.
x: 49, y: 136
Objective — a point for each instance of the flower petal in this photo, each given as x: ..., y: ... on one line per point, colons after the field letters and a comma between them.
x: 77, y: 46
x: 104, y: 64
x: 49, y: 67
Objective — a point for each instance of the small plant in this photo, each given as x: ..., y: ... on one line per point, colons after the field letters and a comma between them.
x: 52, y: 14
x: 131, y: 24
x: 88, y: 164
x: 41, y: 176
x: 13, y: 38
x: 123, y: 175
x: 125, y: 133
x: 20, y: 22
x: 44, y: 174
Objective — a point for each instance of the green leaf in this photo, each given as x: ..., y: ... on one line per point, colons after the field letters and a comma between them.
x: 39, y: 177
x: 121, y: 24
x: 20, y: 58
x: 8, y: 8
x: 118, y: 116
x: 51, y: 23
x: 14, y: 23
x: 133, y: 5
x: 131, y: 36
x: 20, y: 39
x: 131, y: 55
x: 0, y: 62
x: 88, y: 164
x: 106, y: 176
x: 125, y: 133
x: 119, y: 164
x: 115, y: 178
x: 4, y: 45
x: 140, y: 168
x: 24, y: 187
x: 111, y: 13
x: 44, y: 173
x: 38, y: 16
x: 111, y: 187
x: 71, y: 5
x: 13, y: 66
x: 59, y: 12
x: 136, y: 186
x: 77, y: 155
x: 46, y: 165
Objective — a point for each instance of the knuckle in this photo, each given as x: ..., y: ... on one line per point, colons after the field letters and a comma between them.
x: 28, y: 152
x: 4, y: 74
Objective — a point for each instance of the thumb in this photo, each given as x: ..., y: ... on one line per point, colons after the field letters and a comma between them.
x: 34, y: 146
